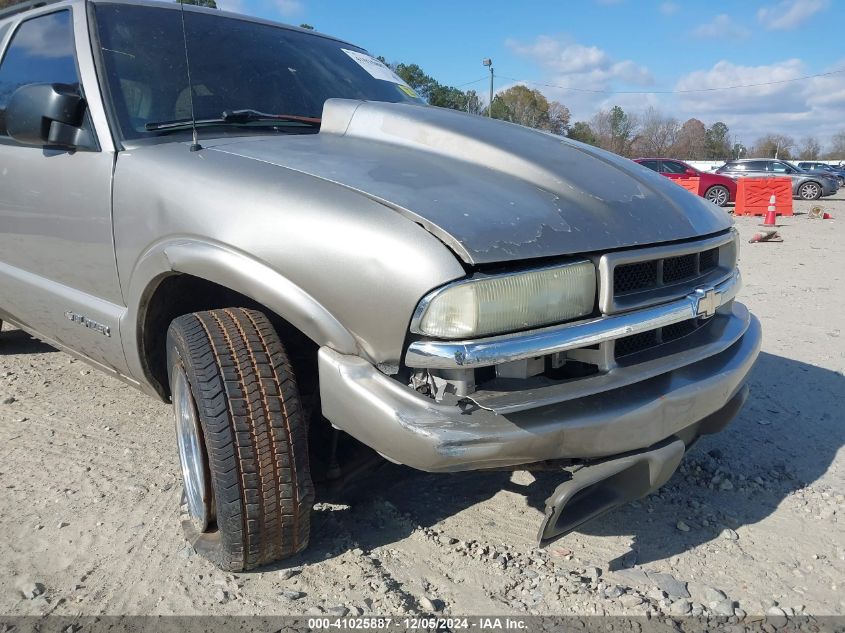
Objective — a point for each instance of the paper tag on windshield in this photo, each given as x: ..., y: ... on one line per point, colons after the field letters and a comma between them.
x: 373, y: 66
x: 407, y: 90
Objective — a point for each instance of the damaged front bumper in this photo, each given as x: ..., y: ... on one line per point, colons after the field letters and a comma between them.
x: 684, y: 394
x: 597, y: 488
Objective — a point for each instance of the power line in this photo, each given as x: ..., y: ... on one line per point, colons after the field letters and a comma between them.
x: 666, y: 92
x: 469, y: 83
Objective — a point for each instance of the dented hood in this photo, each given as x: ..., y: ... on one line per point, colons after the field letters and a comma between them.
x: 491, y: 191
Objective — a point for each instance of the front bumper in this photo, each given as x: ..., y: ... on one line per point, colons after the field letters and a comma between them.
x: 410, y: 428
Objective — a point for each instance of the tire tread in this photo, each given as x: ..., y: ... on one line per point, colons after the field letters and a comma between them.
x: 255, y: 435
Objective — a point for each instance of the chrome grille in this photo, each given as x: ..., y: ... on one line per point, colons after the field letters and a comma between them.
x: 637, y: 276
x: 643, y: 275
x: 648, y: 276
x: 679, y: 268
x: 708, y: 260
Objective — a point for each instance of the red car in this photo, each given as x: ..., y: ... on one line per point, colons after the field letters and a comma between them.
x: 716, y: 188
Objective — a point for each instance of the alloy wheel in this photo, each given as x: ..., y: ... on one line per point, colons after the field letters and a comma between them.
x: 192, y: 454
x: 718, y: 196
x: 810, y: 191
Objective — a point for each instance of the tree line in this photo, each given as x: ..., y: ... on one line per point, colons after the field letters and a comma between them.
x: 651, y: 133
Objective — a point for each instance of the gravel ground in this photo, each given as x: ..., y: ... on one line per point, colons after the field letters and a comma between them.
x: 753, y: 523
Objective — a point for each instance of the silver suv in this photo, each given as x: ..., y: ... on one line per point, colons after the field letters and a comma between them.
x: 805, y: 185
x: 824, y: 168
x: 268, y: 228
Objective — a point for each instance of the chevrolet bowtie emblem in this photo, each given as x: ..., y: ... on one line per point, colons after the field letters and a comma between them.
x: 705, y: 301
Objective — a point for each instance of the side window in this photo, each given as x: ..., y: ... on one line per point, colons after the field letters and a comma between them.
x: 40, y: 51
x: 756, y: 165
x: 779, y: 168
x: 671, y: 167
x: 651, y: 164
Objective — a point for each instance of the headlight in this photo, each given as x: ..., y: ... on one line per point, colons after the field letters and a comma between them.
x: 504, y: 303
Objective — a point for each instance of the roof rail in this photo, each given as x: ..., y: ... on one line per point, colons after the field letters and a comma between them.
x: 26, y: 5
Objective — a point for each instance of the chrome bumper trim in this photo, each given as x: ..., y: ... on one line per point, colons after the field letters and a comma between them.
x: 512, y: 347
x: 411, y: 428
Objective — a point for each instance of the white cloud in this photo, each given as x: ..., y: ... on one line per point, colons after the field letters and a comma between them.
x: 814, y: 106
x: 577, y: 65
x: 562, y: 57
x: 583, y: 77
x: 725, y: 73
x: 577, y: 74
x: 721, y: 27
x: 290, y: 8
x: 789, y: 14
x: 669, y: 8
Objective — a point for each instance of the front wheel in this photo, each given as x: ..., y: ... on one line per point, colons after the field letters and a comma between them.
x: 242, y: 439
x: 718, y: 195
x: 810, y: 191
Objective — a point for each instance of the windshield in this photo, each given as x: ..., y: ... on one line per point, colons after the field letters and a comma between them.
x: 235, y: 65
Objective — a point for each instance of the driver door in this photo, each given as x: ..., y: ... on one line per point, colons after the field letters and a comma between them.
x: 58, y: 276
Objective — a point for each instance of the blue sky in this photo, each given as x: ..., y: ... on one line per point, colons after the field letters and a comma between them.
x: 615, y: 45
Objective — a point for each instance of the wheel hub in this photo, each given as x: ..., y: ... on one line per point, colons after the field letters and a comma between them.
x: 718, y: 196
x: 191, y: 453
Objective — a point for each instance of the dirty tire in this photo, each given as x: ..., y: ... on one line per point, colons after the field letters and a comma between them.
x: 254, y: 434
x: 810, y: 191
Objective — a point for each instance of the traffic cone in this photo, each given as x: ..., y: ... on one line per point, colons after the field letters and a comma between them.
x: 771, y: 215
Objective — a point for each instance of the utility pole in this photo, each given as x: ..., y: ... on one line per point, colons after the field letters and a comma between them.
x: 489, y: 63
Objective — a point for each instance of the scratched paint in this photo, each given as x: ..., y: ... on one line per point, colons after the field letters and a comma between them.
x: 492, y: 191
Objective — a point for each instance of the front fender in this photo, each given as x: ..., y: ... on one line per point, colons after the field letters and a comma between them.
x: 265, y: 285
x: 229, y: 268
x: 344, y: 269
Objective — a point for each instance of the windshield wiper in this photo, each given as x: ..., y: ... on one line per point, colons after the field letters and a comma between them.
x: 234, y: 117
x: 248, y: 116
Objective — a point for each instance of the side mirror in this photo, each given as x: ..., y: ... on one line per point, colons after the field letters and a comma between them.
x: 47, y: 115
x: 690, y: 172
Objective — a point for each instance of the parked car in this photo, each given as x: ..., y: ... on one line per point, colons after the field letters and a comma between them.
x: 805, y: 185
x: 718, y: 189
x: 825, y: 169
x: 266, y: 227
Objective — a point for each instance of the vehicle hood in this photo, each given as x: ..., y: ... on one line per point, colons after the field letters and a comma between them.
x: 491, y: 191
